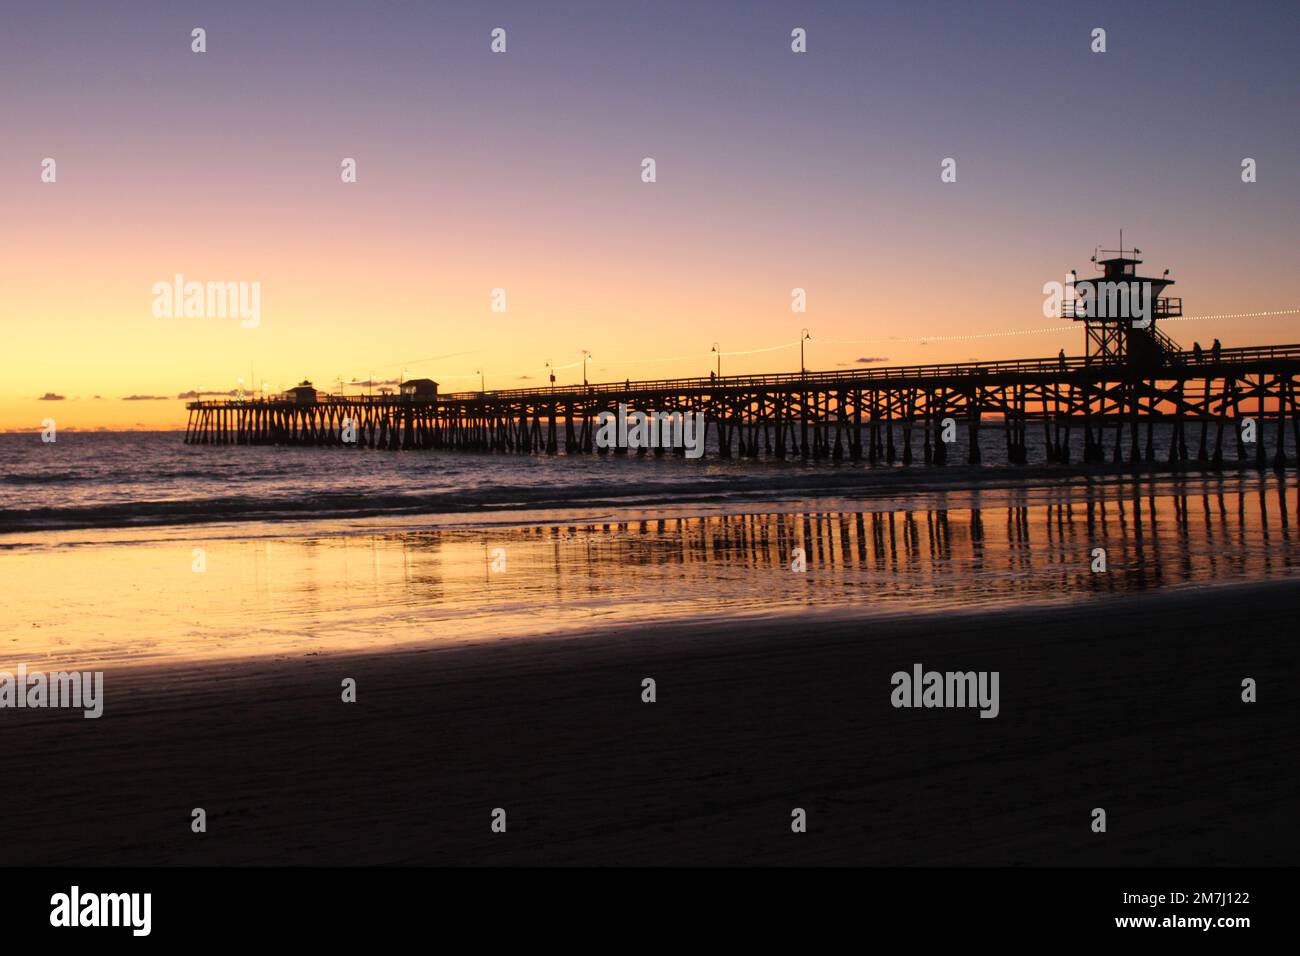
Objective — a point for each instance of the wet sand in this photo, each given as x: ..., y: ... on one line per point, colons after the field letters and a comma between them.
x: 177, y: 597
x: 1127, y: 702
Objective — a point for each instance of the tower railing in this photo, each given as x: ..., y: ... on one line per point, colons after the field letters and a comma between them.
x: 1165, y: 307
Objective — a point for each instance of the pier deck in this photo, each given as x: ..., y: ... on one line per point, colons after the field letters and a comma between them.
x: 872, y: 414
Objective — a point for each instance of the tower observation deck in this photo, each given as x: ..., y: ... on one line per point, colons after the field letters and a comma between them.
x: 1120, y: 310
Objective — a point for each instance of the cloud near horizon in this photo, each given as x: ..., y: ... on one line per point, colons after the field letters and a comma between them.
x: 51, y: 397
x: 208, y: 393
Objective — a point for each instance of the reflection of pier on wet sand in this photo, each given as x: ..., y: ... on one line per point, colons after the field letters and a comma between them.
x: 1155, y: 535
x: 323, y: 588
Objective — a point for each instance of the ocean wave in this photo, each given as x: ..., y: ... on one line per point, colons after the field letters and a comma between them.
x: 371, y: 502
x: 338, y: 504
x: 43, y: 477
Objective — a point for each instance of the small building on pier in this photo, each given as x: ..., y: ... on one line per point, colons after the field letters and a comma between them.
x: 420, y: 388
x: 303, y: 393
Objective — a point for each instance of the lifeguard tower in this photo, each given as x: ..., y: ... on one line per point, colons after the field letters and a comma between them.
x: 1120, y: 309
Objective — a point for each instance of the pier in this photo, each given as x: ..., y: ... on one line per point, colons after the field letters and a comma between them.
x: 1086, y: 410
x: 1097, y: 407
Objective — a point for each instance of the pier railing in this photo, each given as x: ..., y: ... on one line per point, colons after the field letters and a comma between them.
x: 902, y: 373
x: 1177, y: 360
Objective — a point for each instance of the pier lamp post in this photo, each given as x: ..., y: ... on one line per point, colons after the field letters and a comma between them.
x: 718, y: 349
x: 200, y: 394
x: 239, y: 392
x: 586, y: 357
x: 550, y: 369
x: 482, y: 388
x: 804, y: 338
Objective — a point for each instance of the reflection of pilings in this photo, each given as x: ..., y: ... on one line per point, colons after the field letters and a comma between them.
x: 1221, y: 530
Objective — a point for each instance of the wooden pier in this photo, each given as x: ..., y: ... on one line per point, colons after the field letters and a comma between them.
x: 1101, y: 406
x: 1086, y: 410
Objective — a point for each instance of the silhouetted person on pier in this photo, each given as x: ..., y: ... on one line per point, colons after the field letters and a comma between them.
x: 713, y: 376
x: 1196, y: 352
x: 1215, y: 349
x: 1061, y: 358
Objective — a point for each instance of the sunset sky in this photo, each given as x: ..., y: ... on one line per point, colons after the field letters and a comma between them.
x: 522, y: 171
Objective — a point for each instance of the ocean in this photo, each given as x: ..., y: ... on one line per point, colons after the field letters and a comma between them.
x: 133, y: 548
x: 137, y: 479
